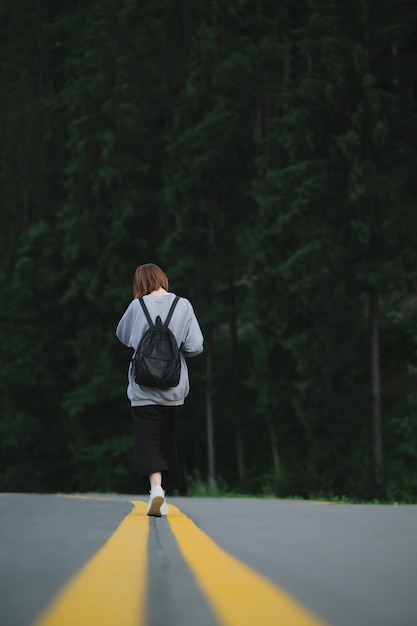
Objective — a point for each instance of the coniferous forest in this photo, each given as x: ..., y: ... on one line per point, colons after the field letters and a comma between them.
x: 264, y: 154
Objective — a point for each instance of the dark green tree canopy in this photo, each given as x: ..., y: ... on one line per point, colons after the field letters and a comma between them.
x: 263, y: 153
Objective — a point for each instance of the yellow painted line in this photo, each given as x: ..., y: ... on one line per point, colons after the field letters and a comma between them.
x: 237, y: 594
x: 76, y: 496
x: 110, y: 589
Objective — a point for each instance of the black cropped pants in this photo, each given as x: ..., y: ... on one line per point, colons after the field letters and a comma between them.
x: 155, y: 444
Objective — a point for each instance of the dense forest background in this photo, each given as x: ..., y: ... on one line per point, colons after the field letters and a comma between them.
x: 264, y: 154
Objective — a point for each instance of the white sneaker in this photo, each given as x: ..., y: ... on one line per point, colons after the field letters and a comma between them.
x: 164, y: 509
x: 156, y: 501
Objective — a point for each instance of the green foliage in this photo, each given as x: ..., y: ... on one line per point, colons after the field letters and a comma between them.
x: 200, y: 488
x: 264, y: 154
x: 401, y: 427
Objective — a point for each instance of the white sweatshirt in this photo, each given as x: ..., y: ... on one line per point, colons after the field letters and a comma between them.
x: 187, y: 332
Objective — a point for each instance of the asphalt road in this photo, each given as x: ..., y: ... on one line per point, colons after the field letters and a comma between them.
x: 347, y: 565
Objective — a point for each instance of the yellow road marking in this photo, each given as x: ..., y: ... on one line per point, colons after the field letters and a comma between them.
x: 110, y: 589
x: 83, y: 497
x: 238, y: 595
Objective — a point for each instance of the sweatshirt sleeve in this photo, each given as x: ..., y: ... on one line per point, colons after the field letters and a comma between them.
x: 124, y: 327
x: 192, y: 344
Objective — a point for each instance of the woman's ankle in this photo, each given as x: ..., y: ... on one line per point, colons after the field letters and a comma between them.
x: 155, y: 479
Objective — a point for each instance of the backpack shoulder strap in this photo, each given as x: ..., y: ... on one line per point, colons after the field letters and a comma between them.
x: 171, y: 310
x: 145, y: 310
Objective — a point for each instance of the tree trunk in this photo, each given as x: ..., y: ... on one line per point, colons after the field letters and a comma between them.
x: 274, y: 448
x: 376, y: 388
x: 209, y: 413
x: 240, y: 451
x: 235, y: 381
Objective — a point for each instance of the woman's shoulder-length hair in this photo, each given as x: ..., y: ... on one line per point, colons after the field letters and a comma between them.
x: 148, y: 277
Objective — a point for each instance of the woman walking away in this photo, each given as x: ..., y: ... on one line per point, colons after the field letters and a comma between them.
x: 155, y: 408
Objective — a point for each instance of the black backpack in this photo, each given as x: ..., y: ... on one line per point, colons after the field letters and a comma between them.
x: 156, y: 362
